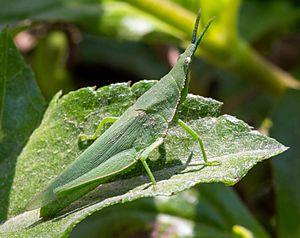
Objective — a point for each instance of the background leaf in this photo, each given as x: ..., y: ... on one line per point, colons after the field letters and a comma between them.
x: 166, y: 20
x: 209, y: 210
x: 21, y: 109
x: 287, y: 169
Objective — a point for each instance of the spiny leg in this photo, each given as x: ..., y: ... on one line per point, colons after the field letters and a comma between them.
x: 98, y: 131
x: 196, y: 137
x: 146, y: 154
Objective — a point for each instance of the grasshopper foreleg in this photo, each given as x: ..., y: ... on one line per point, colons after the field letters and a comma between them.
x: 105, y: 120
x: 196, y: 137
x: 146, y: 154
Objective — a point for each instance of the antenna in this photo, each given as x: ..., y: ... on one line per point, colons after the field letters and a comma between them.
x: 204, y: 30
x: 196, y: 27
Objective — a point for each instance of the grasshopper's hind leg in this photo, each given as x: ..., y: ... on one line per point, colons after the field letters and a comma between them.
x: 196, y: 137
x: 145, y: 154
x: 118, y: 164
x: 105, y: 120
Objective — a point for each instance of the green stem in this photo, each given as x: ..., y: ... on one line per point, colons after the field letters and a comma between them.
x: 232, y: 53
x: 242, y: 60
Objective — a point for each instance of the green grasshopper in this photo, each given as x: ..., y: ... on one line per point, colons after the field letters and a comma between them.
x: 130, y: 139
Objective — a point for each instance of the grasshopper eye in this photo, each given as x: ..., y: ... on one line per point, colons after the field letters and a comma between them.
x: 188, y: 60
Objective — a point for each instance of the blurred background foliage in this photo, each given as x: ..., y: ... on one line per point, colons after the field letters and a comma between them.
x: 250, y: 60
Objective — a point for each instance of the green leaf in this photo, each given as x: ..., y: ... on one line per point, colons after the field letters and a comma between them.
x: 49, y: 64
x: 136, y: 58
x: 273, y: 23
x: 21, y: 109
x: 54, y: 145
x: 287, y: 170
x: 114, y: 18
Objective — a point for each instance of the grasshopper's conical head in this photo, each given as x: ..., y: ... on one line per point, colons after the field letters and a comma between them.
x: 180, y: 71
x: 186, y: 58
x: 182, y: 66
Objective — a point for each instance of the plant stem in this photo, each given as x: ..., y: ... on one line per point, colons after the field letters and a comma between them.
x: 229, y: 52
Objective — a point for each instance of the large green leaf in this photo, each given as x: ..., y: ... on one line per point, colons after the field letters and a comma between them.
x: 55, y: 144
x: 21, y: 109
